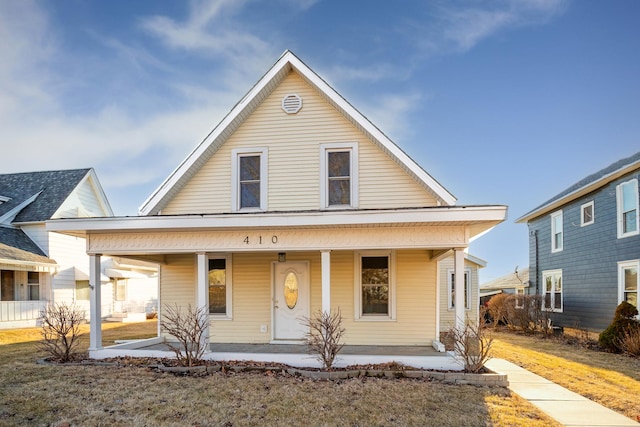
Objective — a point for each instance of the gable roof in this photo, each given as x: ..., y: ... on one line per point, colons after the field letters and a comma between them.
x: 585, y: 186
x: 36, y: 196
x: 509, y: 281
x: 238, y: 114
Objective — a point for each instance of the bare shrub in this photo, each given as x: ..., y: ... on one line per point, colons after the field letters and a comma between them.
x: 324, y: 336
x: 188, y: 328
x: 473, y: 344
x: 497, y: 309
x: 527, y: 314
x: 630, y: 342
x: 61, y: 330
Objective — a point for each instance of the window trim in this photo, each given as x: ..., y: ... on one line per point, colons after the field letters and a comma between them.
x: 236, y: 154
x: 229, y: 285
x: 619, y: 208
x: 391, y: 316
x: 325, y: 149
x: 519, y: 295
x: 467, y: 303
x: 552, y: 299
x: 31, y: 284
x: 554, y: 231
x: 621, y: 266
x: 593, y: 213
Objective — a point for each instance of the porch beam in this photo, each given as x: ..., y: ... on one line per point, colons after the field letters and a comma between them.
x: 95, y: 300
x: 202, y: 295
x: 325, y: 257
x: 458, y: 287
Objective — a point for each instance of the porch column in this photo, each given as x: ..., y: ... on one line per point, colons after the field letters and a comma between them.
x: 325, y: 257
x: 202, y: 295
x: 95, y: 301
x: 458, y: 287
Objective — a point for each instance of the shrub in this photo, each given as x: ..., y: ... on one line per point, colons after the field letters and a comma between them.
x: 630, y: 342
x: 497, y: 308
x: 528, y: 315
x: 188, y: 328
x: 324, y: 336
x: 473, y: 345
x: 61, y: 330
x: 623, y: 323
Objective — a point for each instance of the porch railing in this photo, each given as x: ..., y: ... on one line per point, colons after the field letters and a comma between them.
x: 20, y: 310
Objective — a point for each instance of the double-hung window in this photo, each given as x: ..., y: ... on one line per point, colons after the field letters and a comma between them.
x: 467, y: 289
x: 628, y: 283
x: 219, y: 275
x: 552, y: 282
x: 374, y: 285
x: 249, y: 179
x: 627, y: 201
x: 587, y: 214
x: 33, y: 280
x: 339, y: 166
x: 556, y: 232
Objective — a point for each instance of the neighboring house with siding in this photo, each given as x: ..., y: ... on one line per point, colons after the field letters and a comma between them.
x: 38, y: 266
x: 584, y: 246
x: 516, y: 282
x: 294, y: 204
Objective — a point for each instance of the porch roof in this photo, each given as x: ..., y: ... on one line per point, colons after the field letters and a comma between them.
x: 477, y: 220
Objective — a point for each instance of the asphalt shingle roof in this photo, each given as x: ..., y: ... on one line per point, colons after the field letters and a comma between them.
x: 16, y: 245
x: 55, y: 186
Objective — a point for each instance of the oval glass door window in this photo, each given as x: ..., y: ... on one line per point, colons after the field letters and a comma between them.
x: 291, y: 289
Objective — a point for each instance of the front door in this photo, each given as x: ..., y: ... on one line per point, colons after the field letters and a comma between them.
x: 291, y: 300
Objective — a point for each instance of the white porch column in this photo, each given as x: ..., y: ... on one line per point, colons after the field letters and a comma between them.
x: 458, y: 287
x: 202, y: 294
x: 95, y: 301
x: 325, y: 257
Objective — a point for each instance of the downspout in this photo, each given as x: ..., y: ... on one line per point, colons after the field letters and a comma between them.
x: 534, y: 233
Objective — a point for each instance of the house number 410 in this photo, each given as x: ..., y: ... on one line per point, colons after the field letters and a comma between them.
x: 274, y: 240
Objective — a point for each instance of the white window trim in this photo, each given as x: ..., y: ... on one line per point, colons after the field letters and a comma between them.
x: 621, y: 233
x: 621, y: 266
x: 544, y: 291
x: 325, y: 149
x: 358, y: 286
x: 467, y: 272
x: 554, y: 232
x: 229, y: 285
x: 519, y: 293
x: 593, y: 214
x: 263, y: 152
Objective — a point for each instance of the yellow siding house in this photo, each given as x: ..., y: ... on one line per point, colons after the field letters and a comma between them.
x: 296, y: 190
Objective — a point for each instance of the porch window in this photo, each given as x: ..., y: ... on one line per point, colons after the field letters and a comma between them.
x: 552, y: 281
x: 121, y: 289
x: 467, y: 289
x: 219, y: 275
x: 375, y: 285
x: 7, y: 286
x: 628, y: 281
x: 249, y: 176
x: 33, y: 281
x: 627, y: 201
x: 587, y: 214
x: 83, y: 292
x: 556, y: 232
x: 339, y: 185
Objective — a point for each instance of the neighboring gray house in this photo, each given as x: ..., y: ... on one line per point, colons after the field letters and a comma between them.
x: 38, y: 266
x: 584, y: 247
x: 516, y: 282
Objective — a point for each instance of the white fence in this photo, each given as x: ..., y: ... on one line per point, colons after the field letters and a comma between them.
x: 11, y: 311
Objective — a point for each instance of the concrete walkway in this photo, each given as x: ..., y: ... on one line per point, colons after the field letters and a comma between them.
x: 567, y: 407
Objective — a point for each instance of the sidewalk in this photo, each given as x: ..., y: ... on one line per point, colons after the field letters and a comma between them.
x: 567, y: 407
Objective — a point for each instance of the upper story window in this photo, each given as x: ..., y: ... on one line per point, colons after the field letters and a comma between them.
x: 556, y: 232
x: 627, y: 201
x: 374, y: 285
x: 249, y: 179
x: 467, y: 289
x: 587, y: 214
x: 339, y: 181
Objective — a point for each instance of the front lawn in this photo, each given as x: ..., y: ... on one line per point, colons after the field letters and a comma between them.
x: 32, y: 394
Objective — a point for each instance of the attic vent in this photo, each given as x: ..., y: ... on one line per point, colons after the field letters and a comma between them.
x: 291, y: 104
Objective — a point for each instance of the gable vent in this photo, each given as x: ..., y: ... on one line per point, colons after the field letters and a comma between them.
x: 291, y: 104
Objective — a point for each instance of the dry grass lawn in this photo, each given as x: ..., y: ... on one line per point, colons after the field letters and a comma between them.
x: 32, y: 394
x: 612, y: 380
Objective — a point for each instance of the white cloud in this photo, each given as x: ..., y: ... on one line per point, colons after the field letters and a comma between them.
x: 392, y: 113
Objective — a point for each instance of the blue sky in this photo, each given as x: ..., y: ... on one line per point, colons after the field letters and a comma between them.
x: 503, y: 102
